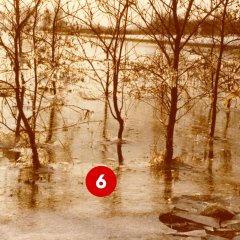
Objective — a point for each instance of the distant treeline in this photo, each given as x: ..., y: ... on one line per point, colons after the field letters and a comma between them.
x: 209, y: 27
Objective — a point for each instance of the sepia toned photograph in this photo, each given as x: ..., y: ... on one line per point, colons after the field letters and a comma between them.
x: 119, y: 119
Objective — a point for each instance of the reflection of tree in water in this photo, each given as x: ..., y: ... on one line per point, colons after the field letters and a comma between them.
x: 225, y: 153
x: 168, y: 181
x: 161, y: 169
x: 114, y: 201
x: 226, y: 124
x: 169, y: 172
x: 52, y: 127
x: 169, y: 175
x: 40, y: 191
x: 223, y: 158
x: 210, y: 158
x: 27, y: 189
x: 51, y: 155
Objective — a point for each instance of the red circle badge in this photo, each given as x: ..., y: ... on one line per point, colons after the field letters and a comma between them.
x: 101, y: 181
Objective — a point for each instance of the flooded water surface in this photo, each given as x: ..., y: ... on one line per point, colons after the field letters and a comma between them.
x: 57, y: 205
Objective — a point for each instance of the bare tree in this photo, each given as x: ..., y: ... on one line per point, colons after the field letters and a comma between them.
x: 217, y: 76
x: 113, y: 54
x: 19, y: 19
x: 26, y: 48
x: 172, y: 39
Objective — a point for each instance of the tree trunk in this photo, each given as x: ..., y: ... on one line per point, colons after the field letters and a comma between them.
x: 54, y: 87
x: 51, y: 124
x: 35, y: 157
x: 120, y: 129
x: 227, y: 119
x: 17, y: 131
x: 19, y: 99
x: 117, y: 109
x: 210, y: 180
x: 210, y: 149
x: 119, y: 152
x: 104, y: 132
x: 214, y: 113
x: 108, y: 76
x: 171, y: 125
x: 174, y: 87
x: 217, y: 76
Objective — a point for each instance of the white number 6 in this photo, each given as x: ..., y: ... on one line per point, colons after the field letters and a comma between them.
x: 101, y: 183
